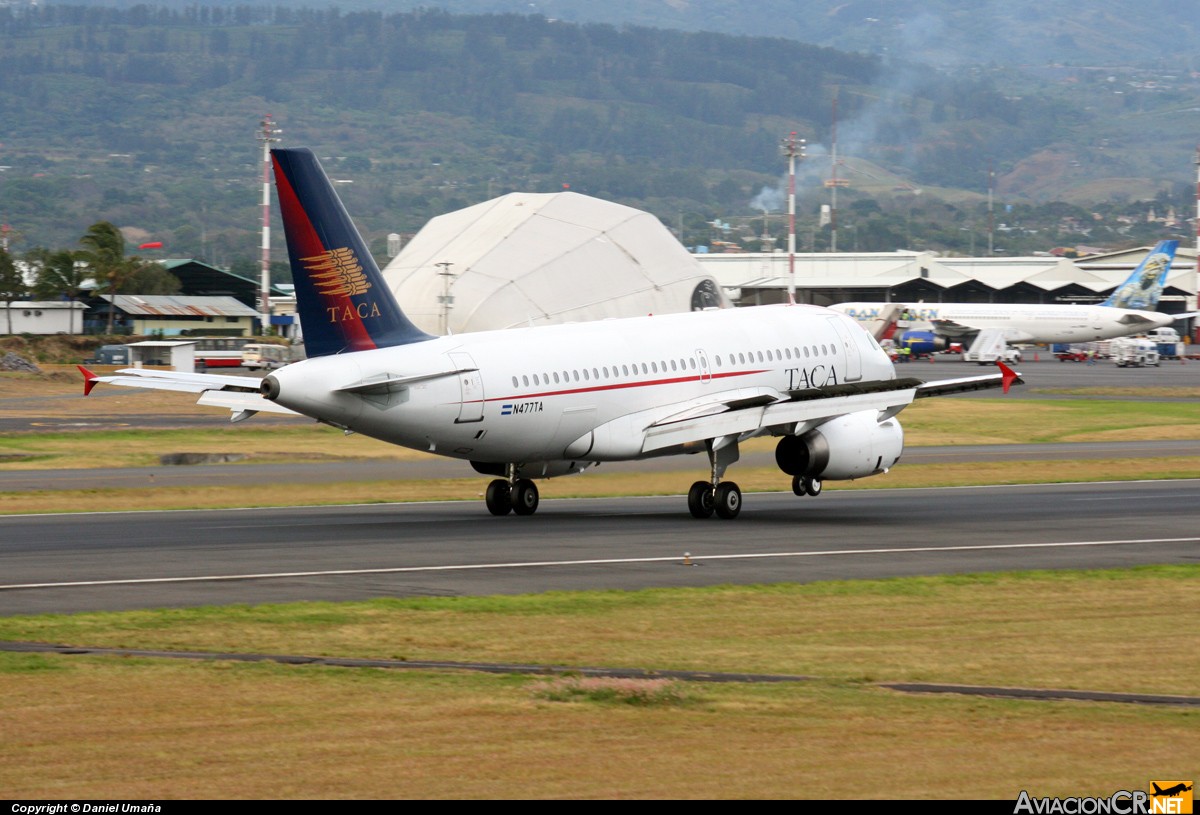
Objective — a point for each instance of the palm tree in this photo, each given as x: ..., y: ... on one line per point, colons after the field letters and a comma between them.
x: 104, y: 251
x: 12, y: 284
x: 59, y: 275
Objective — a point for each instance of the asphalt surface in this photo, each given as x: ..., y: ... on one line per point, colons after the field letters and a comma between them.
x: 71, y: 563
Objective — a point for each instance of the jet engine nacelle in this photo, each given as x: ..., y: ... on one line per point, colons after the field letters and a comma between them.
x: 850, y: 446
x: 922, y: 342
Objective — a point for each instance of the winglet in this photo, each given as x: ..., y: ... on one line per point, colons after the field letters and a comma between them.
x: 89, y: 379
x: 1007, y: 375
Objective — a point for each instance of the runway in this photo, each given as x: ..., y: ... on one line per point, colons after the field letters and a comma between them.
x: 72, y: 563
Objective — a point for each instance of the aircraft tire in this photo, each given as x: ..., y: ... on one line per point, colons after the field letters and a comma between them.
x: 813, y: 486
x: 499, y: 497
x: 728, y: 500
x: 700, y: 500
x: 798, y: 486
x: 525, y: 497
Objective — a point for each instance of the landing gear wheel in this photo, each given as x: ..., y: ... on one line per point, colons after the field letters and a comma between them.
x: 524, y: 497
x: 813, y: 486
x: 798, y: 485
x: 498, y: 497
x: 700, y: 500
x: 728, y: 500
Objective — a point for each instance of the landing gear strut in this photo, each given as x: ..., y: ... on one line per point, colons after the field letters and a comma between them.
x: 512, y: 494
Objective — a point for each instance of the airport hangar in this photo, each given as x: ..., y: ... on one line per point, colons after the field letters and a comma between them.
x: 910, y: 276
x: 540, y: 258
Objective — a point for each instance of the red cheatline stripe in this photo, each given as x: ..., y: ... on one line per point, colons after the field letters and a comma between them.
x: 620, y: 386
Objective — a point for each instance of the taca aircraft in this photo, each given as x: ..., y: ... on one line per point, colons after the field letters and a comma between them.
x: 1125, y: 313
x: 529, y: 403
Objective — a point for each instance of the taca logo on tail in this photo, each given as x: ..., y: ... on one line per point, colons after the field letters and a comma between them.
x: 344, y: 304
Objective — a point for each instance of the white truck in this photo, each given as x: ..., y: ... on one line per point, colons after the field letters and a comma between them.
x: 1134, y: 352
x: 1168, y: 342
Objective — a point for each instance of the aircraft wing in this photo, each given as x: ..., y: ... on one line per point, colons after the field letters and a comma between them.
x: 953, y: 328
x: 238, y: 393
x: 741, y: 414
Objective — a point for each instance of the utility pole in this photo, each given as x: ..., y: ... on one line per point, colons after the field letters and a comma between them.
x: 834, y: 182
x: 991, y: 215
x: 446, y: 299
x: 268, y: 134
x: 793, y: 148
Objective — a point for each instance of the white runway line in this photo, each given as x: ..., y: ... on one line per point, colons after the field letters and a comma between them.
x: 597, y: 562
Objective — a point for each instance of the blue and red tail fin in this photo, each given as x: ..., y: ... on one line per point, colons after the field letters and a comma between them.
x: 1142, y: 289
x: 343, y: 302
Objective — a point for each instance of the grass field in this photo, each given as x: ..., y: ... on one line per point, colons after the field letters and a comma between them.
x: 96, y: 727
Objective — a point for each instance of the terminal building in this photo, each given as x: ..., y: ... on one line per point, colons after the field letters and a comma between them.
x: 908, y: 276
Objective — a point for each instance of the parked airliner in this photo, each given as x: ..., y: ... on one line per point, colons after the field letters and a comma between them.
x: 1125, y: 313
x: 528, y: 403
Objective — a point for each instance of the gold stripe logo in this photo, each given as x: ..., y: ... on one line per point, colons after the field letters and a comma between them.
x: 337, y: 272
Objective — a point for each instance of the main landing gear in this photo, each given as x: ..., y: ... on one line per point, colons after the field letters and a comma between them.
x: 804, y: 485
x: 723, y: 498
x: 512, y: 494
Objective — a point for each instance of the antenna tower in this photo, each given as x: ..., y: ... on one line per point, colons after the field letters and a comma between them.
x: 268, y: 134
x: 793, y: 148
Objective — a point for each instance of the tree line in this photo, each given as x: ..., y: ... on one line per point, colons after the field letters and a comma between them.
x: 101, y: 266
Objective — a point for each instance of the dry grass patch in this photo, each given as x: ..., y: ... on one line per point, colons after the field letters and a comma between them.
x: 113, y: 729
x: 587, y: 485
x: 1002, y: 421
x: 1061, y: 630
x: 142, y: 448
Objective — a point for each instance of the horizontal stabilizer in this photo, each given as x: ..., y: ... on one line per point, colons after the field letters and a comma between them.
x: 177, y: 380
x: 241, y: 402
x: 1133, y: 318
x: 392, y: 383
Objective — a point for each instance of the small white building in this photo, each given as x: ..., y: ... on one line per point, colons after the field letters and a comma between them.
x: 179, y: 355
x: 42, y: 317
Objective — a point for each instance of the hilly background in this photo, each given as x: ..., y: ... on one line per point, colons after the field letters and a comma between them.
x: 146, y: 116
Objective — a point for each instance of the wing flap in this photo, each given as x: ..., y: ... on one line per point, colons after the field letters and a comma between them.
x: 810, y: 406
x: 739, y: 414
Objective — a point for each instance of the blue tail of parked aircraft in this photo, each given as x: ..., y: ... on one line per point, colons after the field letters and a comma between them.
x: 1141, y: 291
x: 343, y: 302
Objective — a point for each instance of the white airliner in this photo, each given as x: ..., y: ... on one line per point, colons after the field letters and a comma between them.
x: 1128, y: 311
x: 540, y: 402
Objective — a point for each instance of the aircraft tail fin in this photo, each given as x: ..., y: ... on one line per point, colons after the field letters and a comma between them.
x: 343, y: 301
x: 1157, y: 788
x: 1142, y: 289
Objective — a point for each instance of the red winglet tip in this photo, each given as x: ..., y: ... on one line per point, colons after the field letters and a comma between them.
x: 89, y: 379
x: 1007, y: 375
